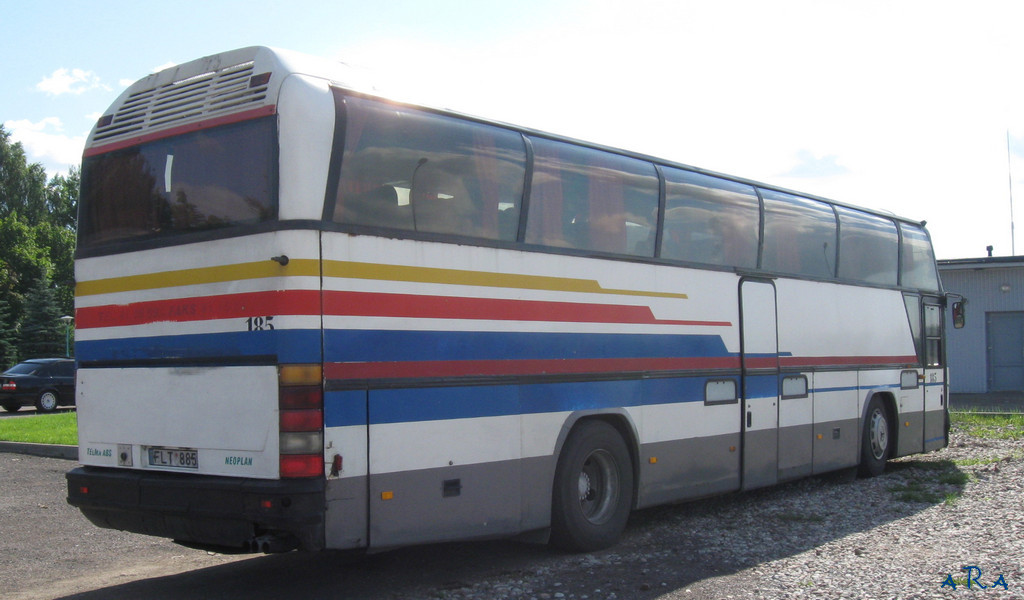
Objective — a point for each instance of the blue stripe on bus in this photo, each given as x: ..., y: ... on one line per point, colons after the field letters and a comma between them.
x: 432, y: 404
x: 382, y: 406
x: 852, y: 388
x: 761, y: 386
x: 398, y: 346
x: 364, y: 345
x: 289, y: 346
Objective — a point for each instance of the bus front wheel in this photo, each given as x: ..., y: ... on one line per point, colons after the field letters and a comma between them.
x: 876, y: 443
x: 593, y: 489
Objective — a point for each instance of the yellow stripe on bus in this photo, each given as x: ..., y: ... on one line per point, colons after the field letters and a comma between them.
x: 360, y: 270
x: 296, y: 267
x: 350, y: 270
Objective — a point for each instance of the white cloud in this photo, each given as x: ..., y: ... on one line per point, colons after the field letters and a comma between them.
x: 45, y: 142
x: 70, y: 81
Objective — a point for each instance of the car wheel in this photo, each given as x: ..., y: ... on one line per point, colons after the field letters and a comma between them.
x: 11, y: 407
x: 47, y: 402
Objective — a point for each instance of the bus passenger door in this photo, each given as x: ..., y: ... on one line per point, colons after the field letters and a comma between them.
x: 759, y: 355
x: 934, y: 377
x: 910, y: 422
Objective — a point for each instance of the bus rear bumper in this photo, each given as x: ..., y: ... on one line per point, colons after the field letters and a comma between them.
x: 252, y: 515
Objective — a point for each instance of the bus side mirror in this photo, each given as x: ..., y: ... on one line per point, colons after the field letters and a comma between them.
x: 959, y: 314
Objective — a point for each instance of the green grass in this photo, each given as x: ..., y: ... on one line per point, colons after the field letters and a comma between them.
x: 59, y: 428
x: 927, y: 481
x: 998, y: 427
x: 916, y: 491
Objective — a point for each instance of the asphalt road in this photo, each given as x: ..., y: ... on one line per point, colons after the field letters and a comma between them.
x: 29, y: 411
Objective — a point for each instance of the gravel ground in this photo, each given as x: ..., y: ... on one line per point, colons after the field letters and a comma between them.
x: 897, y: 536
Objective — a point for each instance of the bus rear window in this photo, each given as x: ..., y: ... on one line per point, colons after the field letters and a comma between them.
x: 208, y: 179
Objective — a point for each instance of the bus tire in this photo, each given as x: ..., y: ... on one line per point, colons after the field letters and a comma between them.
x: 876, y: 443
x: 593, y: 489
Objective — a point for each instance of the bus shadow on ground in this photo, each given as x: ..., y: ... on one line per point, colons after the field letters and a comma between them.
x: 665, y: 548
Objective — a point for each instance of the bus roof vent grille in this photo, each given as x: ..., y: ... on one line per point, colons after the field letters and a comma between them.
x: 185, y: 100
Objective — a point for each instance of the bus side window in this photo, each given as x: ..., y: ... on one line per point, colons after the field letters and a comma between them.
x: 709, y: 220
x: 414, y: 170
x: 591, y: 200
x: 868, y: 248
x: 799, y: 236
x: 917, y: 267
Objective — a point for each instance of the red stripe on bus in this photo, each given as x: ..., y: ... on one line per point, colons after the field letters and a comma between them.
x: 467, y: 368
x: 369, y: 304
x: 263, y: 111
x: 366, y: 304
x: 255, y: 304
x: 476, y: 368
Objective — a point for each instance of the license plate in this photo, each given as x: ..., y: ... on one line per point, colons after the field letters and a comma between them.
x: 175, y: 458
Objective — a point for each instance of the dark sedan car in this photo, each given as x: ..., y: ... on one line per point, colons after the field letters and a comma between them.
x: 45, y: 382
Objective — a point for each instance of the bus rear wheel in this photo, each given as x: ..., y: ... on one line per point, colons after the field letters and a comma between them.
x: 593, y: 489
x: 876, y: 443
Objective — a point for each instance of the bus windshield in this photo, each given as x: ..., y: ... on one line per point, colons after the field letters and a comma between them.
x: 196, y: 181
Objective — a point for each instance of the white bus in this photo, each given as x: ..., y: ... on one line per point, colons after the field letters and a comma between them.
x: 312, y: 317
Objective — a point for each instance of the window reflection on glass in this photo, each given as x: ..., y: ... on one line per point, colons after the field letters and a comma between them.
x: 917, y: 261
x: 868, y: 248
x: 208, y: 179
x: 709, y: 220
x: 799, y: 236
x: 592, y: 200
x: 410, y: 169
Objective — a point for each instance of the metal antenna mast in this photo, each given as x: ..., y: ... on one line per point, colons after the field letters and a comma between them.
x: 1009, y: 170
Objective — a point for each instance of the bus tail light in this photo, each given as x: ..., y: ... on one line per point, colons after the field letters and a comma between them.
x: 301, y: 404
x: 301, y: 465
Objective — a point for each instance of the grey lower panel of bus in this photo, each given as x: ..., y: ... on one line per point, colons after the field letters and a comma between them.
x: 505, y: 498
x: 836, y: 445
x: 689, y: 468
x: 485, y: 500
x: 910, y: 433
x: 510, y: 497
x: 796, y: 451
x: 920, y: 432
x: 935, y: 430
x: 345, y: 522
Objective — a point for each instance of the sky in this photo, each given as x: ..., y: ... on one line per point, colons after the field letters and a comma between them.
x: 912, y: 107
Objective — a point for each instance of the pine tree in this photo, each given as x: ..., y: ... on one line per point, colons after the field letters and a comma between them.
x: 42, y: 332
x: 8, y: 337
